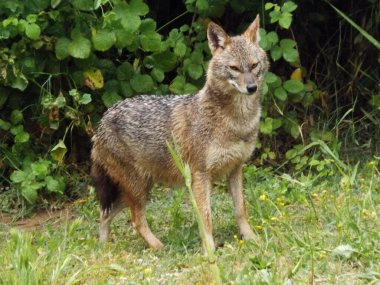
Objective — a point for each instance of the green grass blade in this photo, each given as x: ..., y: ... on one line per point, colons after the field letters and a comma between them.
x: 371, y: 39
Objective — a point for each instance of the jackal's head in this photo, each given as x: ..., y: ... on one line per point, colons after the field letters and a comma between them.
x: 238, y: 63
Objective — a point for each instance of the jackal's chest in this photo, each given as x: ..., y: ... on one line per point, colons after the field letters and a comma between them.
x: 222, y: 157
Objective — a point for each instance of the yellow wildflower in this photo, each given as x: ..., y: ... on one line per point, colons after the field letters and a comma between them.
x: 263, y: 197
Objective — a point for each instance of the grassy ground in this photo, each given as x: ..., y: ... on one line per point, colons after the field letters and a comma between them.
x: 313, y: 230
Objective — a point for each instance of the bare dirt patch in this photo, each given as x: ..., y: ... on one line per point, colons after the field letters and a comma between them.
x: 38, y: 219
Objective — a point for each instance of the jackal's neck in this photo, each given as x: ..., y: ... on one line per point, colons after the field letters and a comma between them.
x: 232, y: 102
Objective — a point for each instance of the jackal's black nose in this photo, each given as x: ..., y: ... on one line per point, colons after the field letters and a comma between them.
x: 251, y: 88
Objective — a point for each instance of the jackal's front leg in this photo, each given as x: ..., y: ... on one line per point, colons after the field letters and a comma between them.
x: 202, y: 189
x: 235, y: 180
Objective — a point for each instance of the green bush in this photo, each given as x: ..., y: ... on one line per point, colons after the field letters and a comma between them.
x: 62, y: 63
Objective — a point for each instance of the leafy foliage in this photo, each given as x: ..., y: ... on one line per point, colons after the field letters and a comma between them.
x: 62, y: 63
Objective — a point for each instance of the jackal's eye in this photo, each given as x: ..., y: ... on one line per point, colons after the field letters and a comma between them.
x: 235, y: 68
x: 254, y: 65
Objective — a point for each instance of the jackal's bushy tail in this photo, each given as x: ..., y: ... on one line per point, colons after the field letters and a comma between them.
x: 106, y: 190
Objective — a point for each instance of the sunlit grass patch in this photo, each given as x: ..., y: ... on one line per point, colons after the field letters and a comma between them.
x: 325, y: 232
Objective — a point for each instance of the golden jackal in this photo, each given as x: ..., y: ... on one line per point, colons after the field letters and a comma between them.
x: 216, y: 131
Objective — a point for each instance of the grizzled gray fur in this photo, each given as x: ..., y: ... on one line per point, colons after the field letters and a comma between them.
x: 216, y: 130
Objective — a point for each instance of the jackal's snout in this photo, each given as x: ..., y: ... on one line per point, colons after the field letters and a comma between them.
x: 251, y: 88
x: 251, y: 85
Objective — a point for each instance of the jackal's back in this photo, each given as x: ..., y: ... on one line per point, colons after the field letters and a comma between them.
x: 134, y: 133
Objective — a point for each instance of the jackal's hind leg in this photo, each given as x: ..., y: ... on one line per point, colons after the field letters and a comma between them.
x: 106, y: 217
x: 142, y: 227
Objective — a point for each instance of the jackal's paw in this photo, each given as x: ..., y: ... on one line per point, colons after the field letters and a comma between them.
x: 249, y: 235
x: 156, y: 244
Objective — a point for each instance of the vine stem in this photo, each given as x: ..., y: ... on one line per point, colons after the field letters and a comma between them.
x: 172, y: 20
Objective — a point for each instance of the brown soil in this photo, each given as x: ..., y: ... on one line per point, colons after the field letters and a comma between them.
x: 38, y: 219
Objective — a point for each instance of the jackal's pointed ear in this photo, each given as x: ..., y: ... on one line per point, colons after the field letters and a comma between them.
x: 217, y: 37
x: 252, y: 32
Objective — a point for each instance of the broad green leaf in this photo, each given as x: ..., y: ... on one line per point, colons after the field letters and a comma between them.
x: 80, y: 47
x: 20, y: 82
x: 280, y: 93
x: 31, y: 18
x: 285, y: 20
x: 266, y: 127
x: 32, y: 31
x: 103, y: 39
x: 130, y: 22
x: 270, y: 77
x: 40, y: 169
x: 18, y: 176
x: 195, y: 71
x: 85, y: 5
x: 264, y: 43
x: 142, y: 83
x: 289, y: 51
x: 93, y: 78
x: 55, y: 185
x: 123, y: 38
x: 297, y: 97
x: 29, y: 191
x: 109, y: 98
x: 293, y: 86
x: 55, y: 3
x: 276, y: 123
x: 276, y: 52
x: 294, y: 131
x: 17, y: 130
x: 272, y: 37
x: 60, y: 101
x: 265, y: 88
x: 85, y: 99
x: 189, y: 88
x: 97, y: 4
x: 126, y: 89
x: 112, y: 85
x: 166, y: 61
x: 138, y: 7
x: 287, y: 44
x: 157, y: 74
x: 150, y: 41
x: 202, y: 4
x: 289, y: 7
x: 268, y: 6
x: 274, y: 16
x: 178, y: 85
x: 290, y: 55
x: 75, y: 94
x: 184, y: 28
x: 58, y: 151
x: 180, y: 49
x: 308, y: 99
x: 125, y: 71
x: 148, y: 25
x: 4, y: 125
x: 22, y: 137
x: 16, y: 117
x: 62, y: 48
x: 197, y: 56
